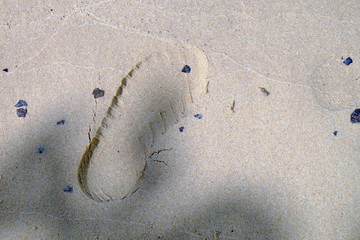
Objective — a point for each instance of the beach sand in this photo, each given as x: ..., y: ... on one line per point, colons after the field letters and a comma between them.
x: 252, y: 140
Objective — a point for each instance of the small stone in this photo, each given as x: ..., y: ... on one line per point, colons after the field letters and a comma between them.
x: 6, y: 70
x: 61, y: 122
x: 181, y: 129
x: 21, y: 112
x: 335, y: 133
x: 68, y: 188
x: 21, y: 103
x: 186, y: 69
x: 264, y: 91
x: 35, y: 228
x: 348, y: 61
x: 98, y: 93
x: 198, y: 116
x: 41, y: 150
x: 355, y: 116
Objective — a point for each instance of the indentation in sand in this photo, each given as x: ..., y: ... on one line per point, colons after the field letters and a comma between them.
x: 154, y: 95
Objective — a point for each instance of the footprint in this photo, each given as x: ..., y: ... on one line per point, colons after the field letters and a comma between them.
x: 336, y: 86
x: 155, y: 94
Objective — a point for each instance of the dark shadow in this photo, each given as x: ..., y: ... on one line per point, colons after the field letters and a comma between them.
x: 242, y: 217
x: 34, y: 176
x: 222, y: 216
x: 231, y: 219
x: 236, y: 218
x: 41, y: 196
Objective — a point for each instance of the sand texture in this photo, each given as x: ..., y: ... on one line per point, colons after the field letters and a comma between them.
x: 179, y: 119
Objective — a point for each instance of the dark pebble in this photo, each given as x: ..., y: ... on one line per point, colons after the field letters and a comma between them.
x: 355, y: 116
x: 21, y: 112
x: 186, y: 69
x: 98, y: 93
x: 335, y: 133
x: 181, y: 129
x: 21, y: 103
x: 198, y: 116
x: 266, y: 92
x: 68, y: 188
x: 348, y: 61
x: 62, y: 122
x: 41, y: 150
x: 6, y: 70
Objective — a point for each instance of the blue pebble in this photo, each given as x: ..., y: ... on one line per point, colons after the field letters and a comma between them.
x: 181, y: 129
x: 98, y: 93
x: 335, y: 133
x: 68, y: 188
x: 62, y: 122
x: 355, y: 116
x: 21, y: 103
x: 41, y: 150
x: 198, y: 116
x: 348, y: 61
x: 21, y: 112
x: 186, y: 69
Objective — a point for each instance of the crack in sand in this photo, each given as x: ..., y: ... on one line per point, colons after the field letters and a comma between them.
x: 257, y: 73
x: 51, y: 38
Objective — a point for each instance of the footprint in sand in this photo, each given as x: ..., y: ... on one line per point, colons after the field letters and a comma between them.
x: 156, y: 93
x: 335, y: 85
